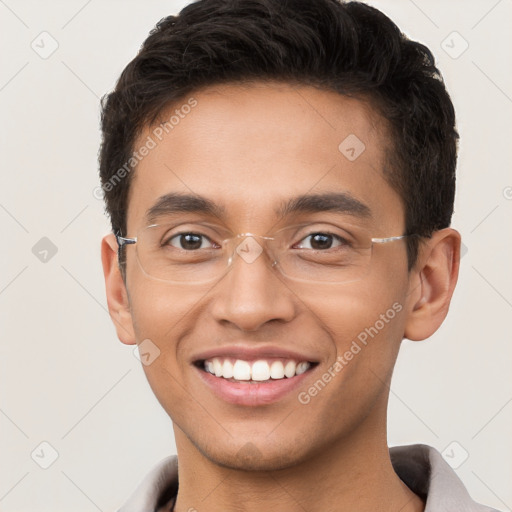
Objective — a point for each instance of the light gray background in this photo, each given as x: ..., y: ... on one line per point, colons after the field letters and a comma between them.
x: 66, y: 379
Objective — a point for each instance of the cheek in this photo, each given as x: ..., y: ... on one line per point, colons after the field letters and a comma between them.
x: 348, y: 311
x: 366, y: 329
x: 366, y: 322
x: 162, y: 313
x: 157, y: 308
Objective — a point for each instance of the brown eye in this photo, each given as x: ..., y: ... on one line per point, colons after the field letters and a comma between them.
x: 322, y: 241
x: 189, y: 241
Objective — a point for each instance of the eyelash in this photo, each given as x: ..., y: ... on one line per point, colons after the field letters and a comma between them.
x: 343, y: 241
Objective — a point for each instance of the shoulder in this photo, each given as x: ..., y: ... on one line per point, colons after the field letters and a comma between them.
x: 423, y: 469
x: 157, y: 488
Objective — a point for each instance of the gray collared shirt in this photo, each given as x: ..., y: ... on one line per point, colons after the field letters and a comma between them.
x: 421, y: 468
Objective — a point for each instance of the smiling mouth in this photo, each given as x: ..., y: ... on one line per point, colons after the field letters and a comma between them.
x: 257, y: 371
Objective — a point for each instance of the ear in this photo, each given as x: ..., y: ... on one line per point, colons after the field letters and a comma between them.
x: 432, y: 282
x: 117, y: 296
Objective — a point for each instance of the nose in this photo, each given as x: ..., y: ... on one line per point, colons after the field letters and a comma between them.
x: 252, y: 293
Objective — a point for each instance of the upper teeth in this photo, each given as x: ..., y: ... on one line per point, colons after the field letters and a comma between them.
x: 259, y: 370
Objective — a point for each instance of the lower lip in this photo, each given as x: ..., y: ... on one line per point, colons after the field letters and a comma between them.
x: 251, y: 393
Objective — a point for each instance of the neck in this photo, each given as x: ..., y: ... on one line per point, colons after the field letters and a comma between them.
x: 356, y: 474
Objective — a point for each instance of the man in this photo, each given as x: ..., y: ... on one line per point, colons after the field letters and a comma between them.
x: 280, y: 177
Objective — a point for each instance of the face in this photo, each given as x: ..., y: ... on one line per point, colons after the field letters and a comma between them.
x: 249, y: 150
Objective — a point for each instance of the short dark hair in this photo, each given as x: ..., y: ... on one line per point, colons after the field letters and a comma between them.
x: 346, y: 47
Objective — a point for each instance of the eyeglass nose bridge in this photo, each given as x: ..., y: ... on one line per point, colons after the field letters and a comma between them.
x: 250, y: 253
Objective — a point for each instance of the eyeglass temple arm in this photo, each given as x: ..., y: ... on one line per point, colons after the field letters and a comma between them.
x: 388, y: 239
x: 122, y: 241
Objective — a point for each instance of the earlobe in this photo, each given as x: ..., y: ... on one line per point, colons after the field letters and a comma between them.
x: 432, y: 283
x: 117, y: 296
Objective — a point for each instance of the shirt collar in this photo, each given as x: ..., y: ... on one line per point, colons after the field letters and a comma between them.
x: 421, y: 467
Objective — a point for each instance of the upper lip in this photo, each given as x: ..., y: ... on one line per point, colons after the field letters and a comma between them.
x: 253, y: 353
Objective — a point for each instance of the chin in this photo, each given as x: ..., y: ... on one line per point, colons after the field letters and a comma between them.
x: 254, y: 456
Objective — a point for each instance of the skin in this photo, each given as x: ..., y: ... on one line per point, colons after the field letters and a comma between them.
x: 248, y: 148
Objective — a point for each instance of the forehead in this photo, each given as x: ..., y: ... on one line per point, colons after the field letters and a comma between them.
x: 249, y: 148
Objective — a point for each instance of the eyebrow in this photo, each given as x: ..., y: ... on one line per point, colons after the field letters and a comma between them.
x: 177, y: 202
x: 338, y: 202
